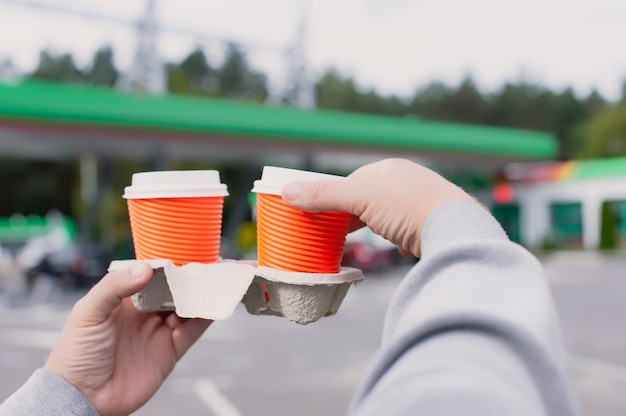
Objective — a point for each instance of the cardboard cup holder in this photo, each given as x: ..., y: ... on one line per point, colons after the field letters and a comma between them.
x: 213, y: 291
x: 159, y: 206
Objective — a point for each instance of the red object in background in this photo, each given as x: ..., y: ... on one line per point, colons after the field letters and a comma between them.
x: 367, y: 257
x: 503, y: 193
x: 368, y: 251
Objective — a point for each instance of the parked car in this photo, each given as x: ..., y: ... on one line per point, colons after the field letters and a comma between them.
x: 77, y: 265
x: 368, y: 251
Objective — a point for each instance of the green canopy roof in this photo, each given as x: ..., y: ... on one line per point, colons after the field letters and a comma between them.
x: 598, y: 168
x: 92, y: 107
x: 23, y: 228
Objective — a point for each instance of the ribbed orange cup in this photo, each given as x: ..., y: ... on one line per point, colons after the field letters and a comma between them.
x: 182, y: 230
x: 176, y: 215
x: 293, y: 240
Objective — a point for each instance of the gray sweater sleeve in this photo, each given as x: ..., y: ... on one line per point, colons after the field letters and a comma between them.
x: 47, y: 394
x: 471, y: 330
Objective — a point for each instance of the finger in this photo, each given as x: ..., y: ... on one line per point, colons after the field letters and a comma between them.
x: 320, y: 196
x: 108, y: 294
x: 185, y: 332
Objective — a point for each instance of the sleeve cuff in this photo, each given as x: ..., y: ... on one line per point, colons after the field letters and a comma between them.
x: 458, y: 222
x: 47, y: 393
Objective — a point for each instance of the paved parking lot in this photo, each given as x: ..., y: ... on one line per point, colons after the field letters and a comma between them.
x: 590, y: 293
x: 251, y: 365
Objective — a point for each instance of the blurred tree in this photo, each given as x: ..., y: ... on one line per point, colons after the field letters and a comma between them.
x: 594, y: 103
x: 256, y: 87
x: 520, y: 105
x: 183, y: 78
x: 566, y: 113
x: 371, y: 102
x: 102, y: 71
x: 534, y: 107
x: 196, y: 68
x: 233, y: 71
x: 196, y: 65
x: 335, y: 92
x: 237, y: 80
x: 393, y: 105
x: 193, y: 75
x: 177, y: 81
x: 605, y: 134
x: 429, y: 102
x: 57, y: 68
x: 234, y: 79
x: 466, y: 104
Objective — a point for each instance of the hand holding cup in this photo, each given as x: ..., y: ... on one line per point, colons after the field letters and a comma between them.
x: 394, y: 197
x: 294, y: 240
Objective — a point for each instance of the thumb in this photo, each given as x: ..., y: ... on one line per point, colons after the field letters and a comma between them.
x: 320, y: 196
x: 108, y: 294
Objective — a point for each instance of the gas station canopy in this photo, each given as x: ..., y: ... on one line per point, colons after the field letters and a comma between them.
x: 55, y: 121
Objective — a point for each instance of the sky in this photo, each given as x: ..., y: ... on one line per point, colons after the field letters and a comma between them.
x: 394, y: 46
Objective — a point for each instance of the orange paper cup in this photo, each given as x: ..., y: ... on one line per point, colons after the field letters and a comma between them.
x: 176, y: 215
x: 293, y: 240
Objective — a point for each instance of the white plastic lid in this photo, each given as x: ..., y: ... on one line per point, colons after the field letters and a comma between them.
x: 274, y: 178
x: 175, y: 184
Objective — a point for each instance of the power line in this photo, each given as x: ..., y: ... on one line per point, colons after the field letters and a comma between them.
x: 66, y: 10
x: 147, y: 74
x: 175, y: 30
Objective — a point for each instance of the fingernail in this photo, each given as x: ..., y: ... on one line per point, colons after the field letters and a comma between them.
x: 291, y: 191
x: 139, y: 270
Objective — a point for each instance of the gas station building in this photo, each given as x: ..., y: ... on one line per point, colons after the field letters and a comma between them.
x: 49, y: 121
